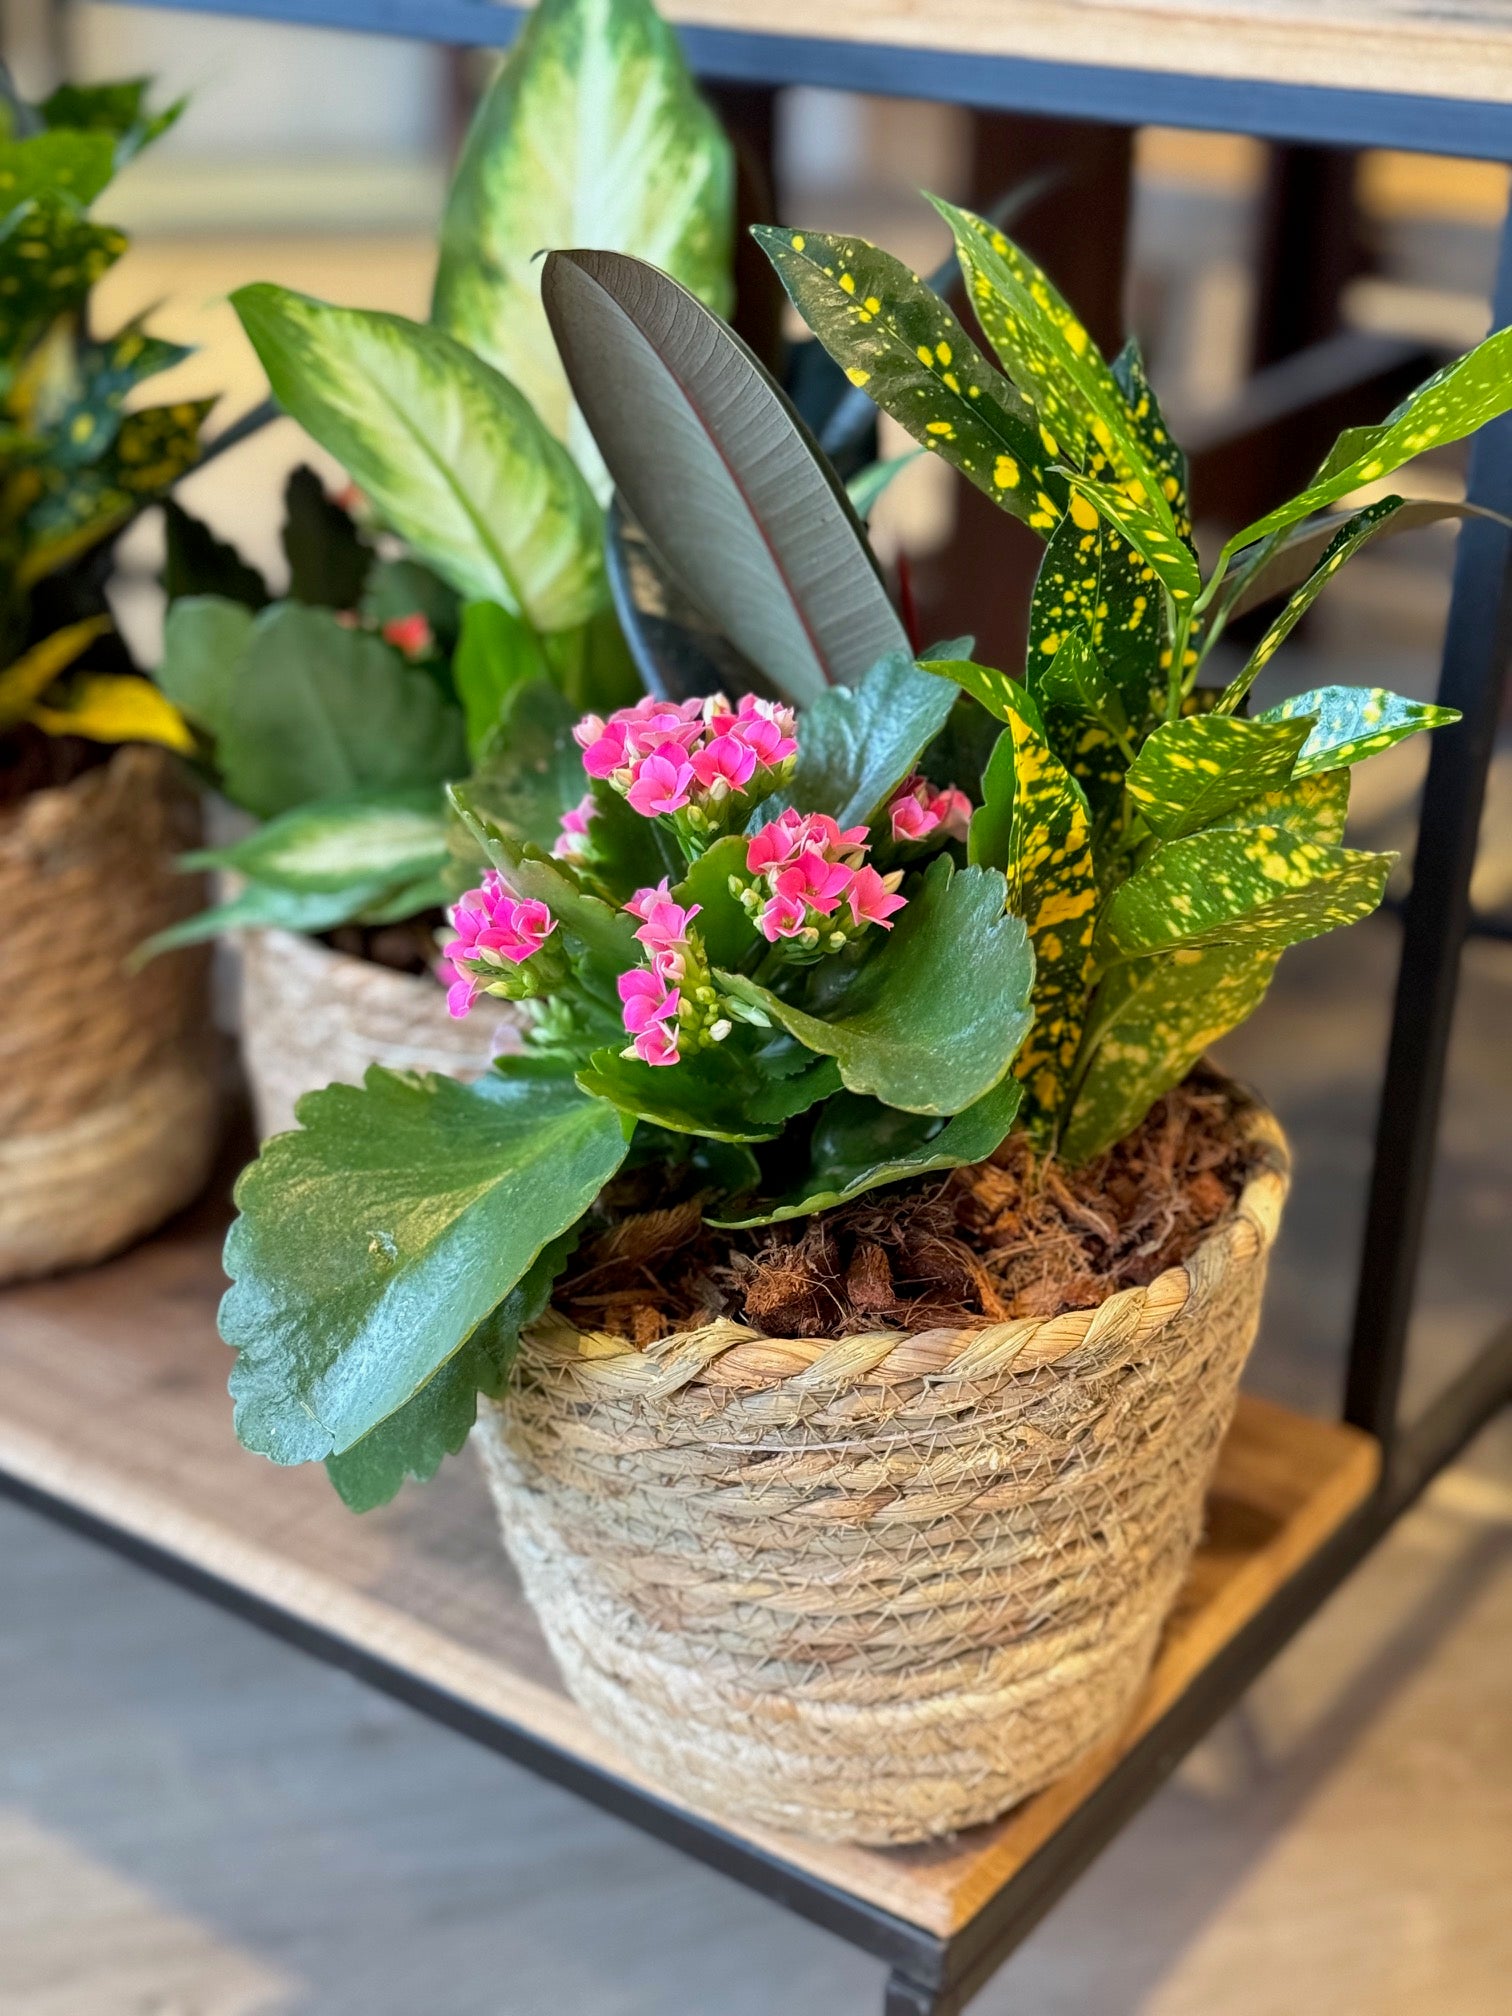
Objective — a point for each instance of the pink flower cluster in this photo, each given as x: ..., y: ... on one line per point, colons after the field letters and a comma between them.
x: 917, y: 810
x: 574, y: 830
x: 651, y: 996
x: 807, y: 866
x: 666, y: 756
x: 495, y: 930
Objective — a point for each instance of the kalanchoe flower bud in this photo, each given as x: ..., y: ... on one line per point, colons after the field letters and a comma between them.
x: 918, y: 811
x: 572, y: 836
x: 501, y: 946
x: 696, y: 762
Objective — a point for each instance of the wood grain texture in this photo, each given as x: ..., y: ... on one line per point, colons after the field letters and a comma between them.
x: 112, y: 1394
x: 1432, y: 48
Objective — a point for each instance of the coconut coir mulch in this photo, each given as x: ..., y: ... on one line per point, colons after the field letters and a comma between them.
x: 1016, y: 1236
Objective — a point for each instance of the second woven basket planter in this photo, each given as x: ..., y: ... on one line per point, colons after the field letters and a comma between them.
x: 881, y: 1588
x: 311, y: 1015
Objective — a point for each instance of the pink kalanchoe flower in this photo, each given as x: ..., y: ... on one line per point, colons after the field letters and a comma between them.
x: 492, y: 925
x: 917, y: 809
x: 460, y: 991
x: 410, y: 634
x: 645, y: 998
x: 644, y: 900
x: 873, y: 898
x: 602, y: 744
x: 813, y: 880
x: 665, y: 923
x: 660, y: 783
x: 574, y: 829
x: 725, y: 761
x: 777, y: 843
x: 782, y: 916
x: 657, y: 1045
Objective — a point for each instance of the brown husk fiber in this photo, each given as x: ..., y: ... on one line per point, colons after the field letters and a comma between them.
x: 1017, y: 1236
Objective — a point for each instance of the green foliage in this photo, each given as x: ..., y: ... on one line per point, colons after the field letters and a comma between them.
x: 391, y: 837
x: 1353, y: 722
x: 860, y: 742
x: 329, y: 559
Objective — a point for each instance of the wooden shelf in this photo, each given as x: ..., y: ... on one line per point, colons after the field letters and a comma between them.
x: 113, y: 1403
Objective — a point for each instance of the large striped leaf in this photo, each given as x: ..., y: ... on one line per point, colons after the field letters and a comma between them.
x: 1263, y: 886
x: 719, y: 470
x: 592, y: 134
x: 1052, y: 884
x: 1353, y: 722
x: 1154, y: 1019
x: 1452, y: 403
x: 900, y: 344
x: 450, y: 454
x: 392, y: 837
x: 1189, y: 773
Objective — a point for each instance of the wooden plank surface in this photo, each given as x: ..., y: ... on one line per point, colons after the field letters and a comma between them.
x: 1434, y: 48
x: 112, y: 1396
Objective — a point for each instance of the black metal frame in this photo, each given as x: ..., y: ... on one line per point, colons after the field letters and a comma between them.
x: 934, y: 1976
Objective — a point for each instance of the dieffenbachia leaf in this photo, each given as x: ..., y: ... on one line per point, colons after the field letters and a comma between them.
x: 1129, y: 510
x: 1190, y: 772
x: 856, y: 744
x: 1164, y: 456
x: 414, y: 1441
x: 262, y: 906
x: 1156, y: 1017
x: 1352, y: 722
x: 901, y: 345
x: 308, y: 708
x: 728, y: 483
x: 1346, y: 542
x: 859, y: 1144
x: 1051, y: 882
x: 588, y: 923
x: 1452, y: 403
x: 1260, y: 886
x: 933, y: 1019
x: 721, y: 1097
x: 448, y: 451
x: 375, y: 1239
x: 593, y: 133
x: 1094, y: 583
x: 382, y: 836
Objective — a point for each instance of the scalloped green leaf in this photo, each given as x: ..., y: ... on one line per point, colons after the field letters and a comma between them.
x: 856, y: 744
x: 722, y: 1095
x: 374, y: 1239
x: 1353, y: 722
x: 903, y: 347
x: 1190, y: 772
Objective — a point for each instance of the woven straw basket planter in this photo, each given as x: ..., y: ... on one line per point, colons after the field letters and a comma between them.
x: 311, y: 1015
x: 881, y: 1588
x: 108, y: 1103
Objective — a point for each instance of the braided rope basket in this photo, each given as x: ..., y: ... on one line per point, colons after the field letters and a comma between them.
x: 880, y: 1588
x: 108, y: 1106
x: 311, y: 1015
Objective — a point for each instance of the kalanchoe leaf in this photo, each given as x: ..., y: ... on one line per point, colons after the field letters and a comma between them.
x: 859, y: 1144
x: 204, y: 638
x: 530, y: 770
x: 857, y: 744
x: 932, y: 1020
x: 1353, y: 722
x: 726, y: 930
x: 1346, y: 542
x: 990, y: 834
x: 1262, y: 887
x: 336, y: 843
x: 911, y: 355
x: 729, y: 485
x: 722, y: 1096
x: 1189, y: 773
x: 436, y: 1423
x: 1160, y: 451
x: 449, y: 452
x: 1156, y: 1018
x: 398, y: 591
x: 1051, y: 879
x: 375, y: 1239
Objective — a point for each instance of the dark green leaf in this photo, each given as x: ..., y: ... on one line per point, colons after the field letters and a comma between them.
x: 1189, y: 773
x: 714, y: 1093
x: 859, y: 1144
x: 1353, y: 722
x: 204, y: 639
x: 931, y: 1022
x: 329, y: 559
x: 901, y: 344
x: 856, y: 744
x: 199, y: 563
x: 375, y: 1239
x: 495, y: 654
x: 717, y: 467
x: 399, y: 588
x: 728, y: 933
x: 530, y: 770
x: 991, y: 831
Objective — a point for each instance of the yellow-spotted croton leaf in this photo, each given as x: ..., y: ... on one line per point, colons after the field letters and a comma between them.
x: 1353, y: 722
x: 1191, y: 772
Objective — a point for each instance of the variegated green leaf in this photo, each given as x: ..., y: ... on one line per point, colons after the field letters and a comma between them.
x: 1352, y: 722
x: 1314, y: 808
x: 51, y: 254
x: 1131, y: 512
x: 1052, y: 884
x: 989, y: 688
x: 384, y: 836
x: 1092, y: 580
x: 904, y: 348
x: 1346, y: 542
x: 1452, y: 403
x: 450, y: 454
x: 1164, y: 456
x: 1154, y: 1018
x: 153, y: 448
x: 1189, y: 773
x: 593, y: 134
x: 74, y: 165
x: 1260, y: 886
